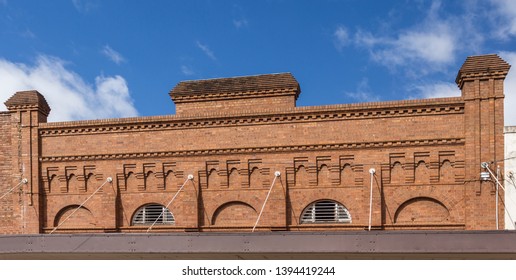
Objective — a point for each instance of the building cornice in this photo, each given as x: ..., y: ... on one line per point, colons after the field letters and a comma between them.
x: 406, y: 108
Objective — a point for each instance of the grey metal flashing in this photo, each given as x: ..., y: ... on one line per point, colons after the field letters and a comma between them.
x: 269, y: 245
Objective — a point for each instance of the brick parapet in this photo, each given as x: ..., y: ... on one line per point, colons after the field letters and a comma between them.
x: 375, y: 110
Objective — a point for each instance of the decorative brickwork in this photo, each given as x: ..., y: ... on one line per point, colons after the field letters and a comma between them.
x: 233, y: 134
x: 234, y: 95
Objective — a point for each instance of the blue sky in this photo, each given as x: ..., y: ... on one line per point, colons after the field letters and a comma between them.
x: 112, y: 58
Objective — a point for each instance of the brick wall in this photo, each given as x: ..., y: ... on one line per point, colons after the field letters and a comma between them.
x: 426, y: 155
x: 322, y: 153
x: 235, y: 106
x: 6, y: 176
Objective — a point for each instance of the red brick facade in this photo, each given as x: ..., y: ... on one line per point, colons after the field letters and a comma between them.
x: 233, y: 134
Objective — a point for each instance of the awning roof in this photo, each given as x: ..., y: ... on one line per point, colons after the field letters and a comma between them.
x: 270, y: 245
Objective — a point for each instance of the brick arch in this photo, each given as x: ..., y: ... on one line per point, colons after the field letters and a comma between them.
x: 421, y: 172
x: 422, y: 210
x: 253, y: 199
x: 73, y: 184
x: 321, y: 199
x: 152, y: 182
x: 234, y: 179
x: 53, y: 183
x: 343, y: 211
x: 255, y: 178
x: 446, y: 172
x: 397, y: 175
x: 131, y: 183
x: 347, y: 178
x: 323, y: 176
x: 80, y: 219
x: 171, y: 182
x: 135, y: 209
x: 90, y: 182
x: 301, y: 176
x: 449, y: 202
x: 234, y: 213
x: 213, y: 178
x: 325, y: 195
x: 348, y: 202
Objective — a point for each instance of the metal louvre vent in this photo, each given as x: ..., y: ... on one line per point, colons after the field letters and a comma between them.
x: 153, y: 213
x: 325, y: 211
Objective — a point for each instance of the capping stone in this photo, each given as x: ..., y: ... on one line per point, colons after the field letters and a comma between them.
x: 482, y: 65
x: 236, y: 95
x: 31, y: 98
x: 227, y: 86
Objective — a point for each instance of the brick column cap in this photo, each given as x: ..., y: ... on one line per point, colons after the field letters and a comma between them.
x: 480, y: 66
x: 30, y: 99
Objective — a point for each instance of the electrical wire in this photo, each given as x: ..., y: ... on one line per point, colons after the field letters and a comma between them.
x: 23, y: 181
x: 276, y: 175
x: 190, y: 177
x: 108, y: 180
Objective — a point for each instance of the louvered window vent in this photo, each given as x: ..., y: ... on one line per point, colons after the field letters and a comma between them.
x: 153, y: 214
x: 325, y: 211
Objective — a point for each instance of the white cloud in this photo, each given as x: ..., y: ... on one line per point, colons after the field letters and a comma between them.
x: 207, y: 51
x: 433, y: 44
x: 27, y: 34
x: 113, y: 55
x: 68, y: 95
x: 366, y: 39
x: 239, y: 17
x: 341, y: 36
x: 187, y: 71
x: 505, y: 18
x: 240, y: 23
x: 84, y: 6
x: 510, y: 89
x: 435, y: 90
x: 430, y: 45
x: 363, y: 92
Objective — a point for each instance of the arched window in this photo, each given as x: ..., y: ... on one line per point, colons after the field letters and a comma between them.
x: 325, y: 211
x: 153, y: 213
